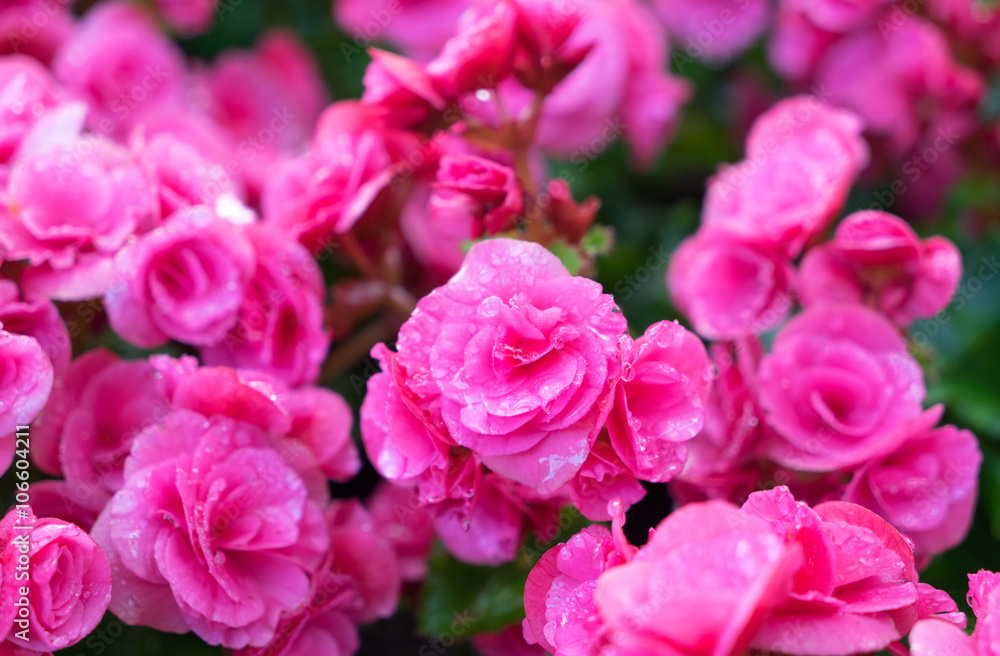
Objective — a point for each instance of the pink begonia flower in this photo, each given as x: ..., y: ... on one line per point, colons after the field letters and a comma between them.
x: 802, y: 157
x: 488, y: 535
x: 729, y: 286
x: 27, y: 90
x: 659, y: 400
x: 470, y: 186
x: 926, y: 487
x: 325, y: 192
x: 481, y: 53
x: 67, y: 389
x: 97, y: 409
x: 716, y: 30
x: 213, y: 531
x: 559, y: 594
x: 884, y: 74
x: 720, y: 458
x: 185, y: 176
x: 402, y: 86
x: 185, y: 280
x: 856, y: 591
x: 512, y: 313
x: 419, y: 28
x: 621, y: 88
x: 838, y: 382
x: 321, y: 420
x: 280, y: 329
x: 26, y: 383
x: 21, y: 33
x: 509, y: 642
x: 38, y: 318
x: 122, y: 66
x: 436, y: 236
x: 972, y: 22
x: 702, y: 584
x: 69, y: 582
x: 602, y: 479
x: 934, y: 636
x: 797, y: 45
x: 840, y: 16
x: 312, y: 425
x: 189, y: 16
x: 267, y: 100
x: 406, y: 523
x: 876, y: 259
x: 72, y: 201
x: 358, y: 582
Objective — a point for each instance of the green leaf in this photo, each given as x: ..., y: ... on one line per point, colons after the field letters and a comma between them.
x: 567, y: 255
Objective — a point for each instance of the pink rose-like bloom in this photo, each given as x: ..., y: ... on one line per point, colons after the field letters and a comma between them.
x: 358, y: 582
x: 419, y: 28
x: 480, y: 54
x: 72, y: 201
x: 212, y: 532
x: 517, y: 356
x: 659, y: 400
x: 932, y: 636
x: 27, y: 380
x: 122, y: 65
x: 186, y: 176
x: 69, y: 587
x: 436, y: 237
x: 280, y: 329
x: 559, y: 593
x: 473, y: 187
x: 31, y: 91
x: 267, y: 100
x: 312, y: 425
x: 971, y: 22
x: 188, y: 16
x: 926, y: 487
x: 796, y: 45
x: 838, y: 382
x: 856, y: 591
x: 401, y: 519
x: 489, y: 533
x: 621, y: 88
x: 327, y: 191
x: 876, y: 258
x: 185, y: 280
x: 97, y: 409
x: 729, y: 286
x: 718, y: 457
x: 38, y: 318
x: 885, y: 75
x: 23, y: 34
x: 716, y: 30
x: 838, y: 15
x: 802, y: 157
x: 602, y: 479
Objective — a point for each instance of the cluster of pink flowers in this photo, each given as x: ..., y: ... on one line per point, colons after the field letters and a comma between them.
x: 773, y: 575
x: 166, y: 329
x: 838, y: 395
x: 515, y: 388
